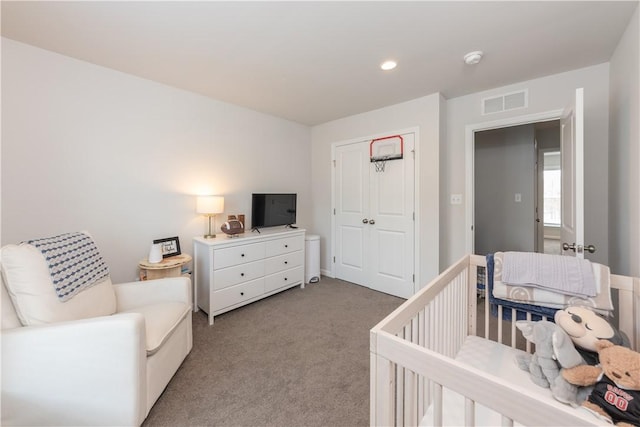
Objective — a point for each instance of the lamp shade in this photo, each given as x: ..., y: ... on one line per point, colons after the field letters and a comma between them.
x: 209, y: 205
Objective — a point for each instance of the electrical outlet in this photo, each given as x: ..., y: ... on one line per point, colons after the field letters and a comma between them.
x: 456, y: 199
x: 518, y: 197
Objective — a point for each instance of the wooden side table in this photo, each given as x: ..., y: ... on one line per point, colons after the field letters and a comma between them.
x: 168, y: 267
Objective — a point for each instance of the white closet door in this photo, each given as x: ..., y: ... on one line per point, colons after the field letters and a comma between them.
x: 352, y: 206
x: 375, y: 219
x: 392, y: 231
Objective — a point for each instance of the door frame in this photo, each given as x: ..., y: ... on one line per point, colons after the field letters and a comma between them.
x: 416, y: 195
x: 469, y: 132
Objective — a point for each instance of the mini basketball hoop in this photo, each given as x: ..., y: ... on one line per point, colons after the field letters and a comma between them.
x: 379, y: 164
x: 386, y: 148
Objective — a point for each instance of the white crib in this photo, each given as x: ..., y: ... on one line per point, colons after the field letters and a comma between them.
x: 429, y: 368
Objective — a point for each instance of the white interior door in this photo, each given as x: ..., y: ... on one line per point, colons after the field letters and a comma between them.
x: 391, y: 224
x: 351, y: 201
x: 572, y: 158
x: 374, y: 219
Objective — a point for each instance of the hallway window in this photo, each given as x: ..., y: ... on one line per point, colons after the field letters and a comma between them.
x: 552, y: 187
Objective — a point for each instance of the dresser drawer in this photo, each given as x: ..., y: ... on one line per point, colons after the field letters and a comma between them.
x: 282, y: 279
x: 227, y: 257
x: 284, y: 245
x: 240, y: 273
x: 237, y: 294
x: 283, y: 262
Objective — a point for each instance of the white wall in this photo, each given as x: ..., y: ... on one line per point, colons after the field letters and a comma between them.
x: 424, y: 113
x: 86, y: 147
x: 624, y: 142
x: 545, y: 94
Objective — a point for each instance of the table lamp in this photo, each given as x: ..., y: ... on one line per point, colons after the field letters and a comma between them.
x: 210, y: 206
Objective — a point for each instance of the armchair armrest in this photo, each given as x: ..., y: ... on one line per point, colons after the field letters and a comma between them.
x: 136, y: 294
x: 84, y: 372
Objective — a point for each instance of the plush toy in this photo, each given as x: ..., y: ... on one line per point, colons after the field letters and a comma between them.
x: 554, y: 351
x: 567, y: 343
x: 616, y: 392
x: 585, y: 328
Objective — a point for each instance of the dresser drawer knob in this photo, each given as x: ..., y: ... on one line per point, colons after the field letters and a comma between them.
x: 286, y: 246
x: 286, y: 262
x: 242, y: 294
x: 285, y: 279
x: 241, y: 274
x: 242, y: 255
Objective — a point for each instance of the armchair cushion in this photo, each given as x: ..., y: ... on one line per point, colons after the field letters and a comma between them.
x: 28, y: 281
x: 161, y: 320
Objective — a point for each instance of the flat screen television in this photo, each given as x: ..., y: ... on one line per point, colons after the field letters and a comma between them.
x: 270, y: 210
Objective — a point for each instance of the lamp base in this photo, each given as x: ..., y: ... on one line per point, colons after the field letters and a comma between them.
x: 209, y: 235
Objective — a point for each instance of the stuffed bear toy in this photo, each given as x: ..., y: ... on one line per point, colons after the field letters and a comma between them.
x: 616, y: 381
x: 568, y: 342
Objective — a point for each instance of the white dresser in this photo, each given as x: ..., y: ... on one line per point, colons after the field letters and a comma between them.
x: 233, y: 271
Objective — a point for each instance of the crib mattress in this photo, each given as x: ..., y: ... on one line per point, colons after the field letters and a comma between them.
x: 499, y: 360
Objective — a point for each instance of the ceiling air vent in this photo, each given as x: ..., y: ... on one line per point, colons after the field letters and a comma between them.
x: 506, y: 102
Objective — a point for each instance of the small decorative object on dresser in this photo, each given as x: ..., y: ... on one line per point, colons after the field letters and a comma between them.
x: 230, y: 273
x: 232, y: 227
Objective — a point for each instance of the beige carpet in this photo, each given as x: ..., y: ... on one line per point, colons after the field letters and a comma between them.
x: 298, y: 358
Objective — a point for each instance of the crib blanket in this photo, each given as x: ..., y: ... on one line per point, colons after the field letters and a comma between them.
x: 493, y: 277
x: 557, y: 273
x: 509, y: 294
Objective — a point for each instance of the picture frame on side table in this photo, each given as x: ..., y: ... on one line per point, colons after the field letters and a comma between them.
x: 170, y: 246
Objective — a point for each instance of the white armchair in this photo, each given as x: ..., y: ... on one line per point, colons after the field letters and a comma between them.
x: 107, y: 369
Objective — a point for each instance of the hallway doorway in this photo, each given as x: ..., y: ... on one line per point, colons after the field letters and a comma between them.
x: 517, y: 194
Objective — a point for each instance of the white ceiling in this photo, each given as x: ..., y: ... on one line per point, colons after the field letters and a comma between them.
x: 312, y: 62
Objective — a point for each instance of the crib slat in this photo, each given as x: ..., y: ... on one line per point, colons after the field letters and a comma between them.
x: 529, y: 342
x: 499, y: 339
x: 469, y: 412
x: 472, y: 298
x: 437, y: 404
x: 487, y: 310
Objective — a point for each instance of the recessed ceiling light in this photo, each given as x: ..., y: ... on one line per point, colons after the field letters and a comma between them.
x: 388, y: 65
x: 472, y: 58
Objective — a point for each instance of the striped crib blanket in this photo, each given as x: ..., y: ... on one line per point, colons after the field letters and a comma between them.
x: 74, y: 262
x: 514, y: 296
x: 562, y: 274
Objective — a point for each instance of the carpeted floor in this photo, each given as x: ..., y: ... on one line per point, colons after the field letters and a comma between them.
x: 298, y: 358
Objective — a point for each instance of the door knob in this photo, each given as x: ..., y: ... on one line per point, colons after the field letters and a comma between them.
x: 371, y: 222
x: 589, y: 248
x: 365, y: 221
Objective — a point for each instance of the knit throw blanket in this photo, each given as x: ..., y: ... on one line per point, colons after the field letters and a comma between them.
x: 74, y: 263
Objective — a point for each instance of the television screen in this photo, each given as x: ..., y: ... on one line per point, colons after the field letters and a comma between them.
x: 269, y: 210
